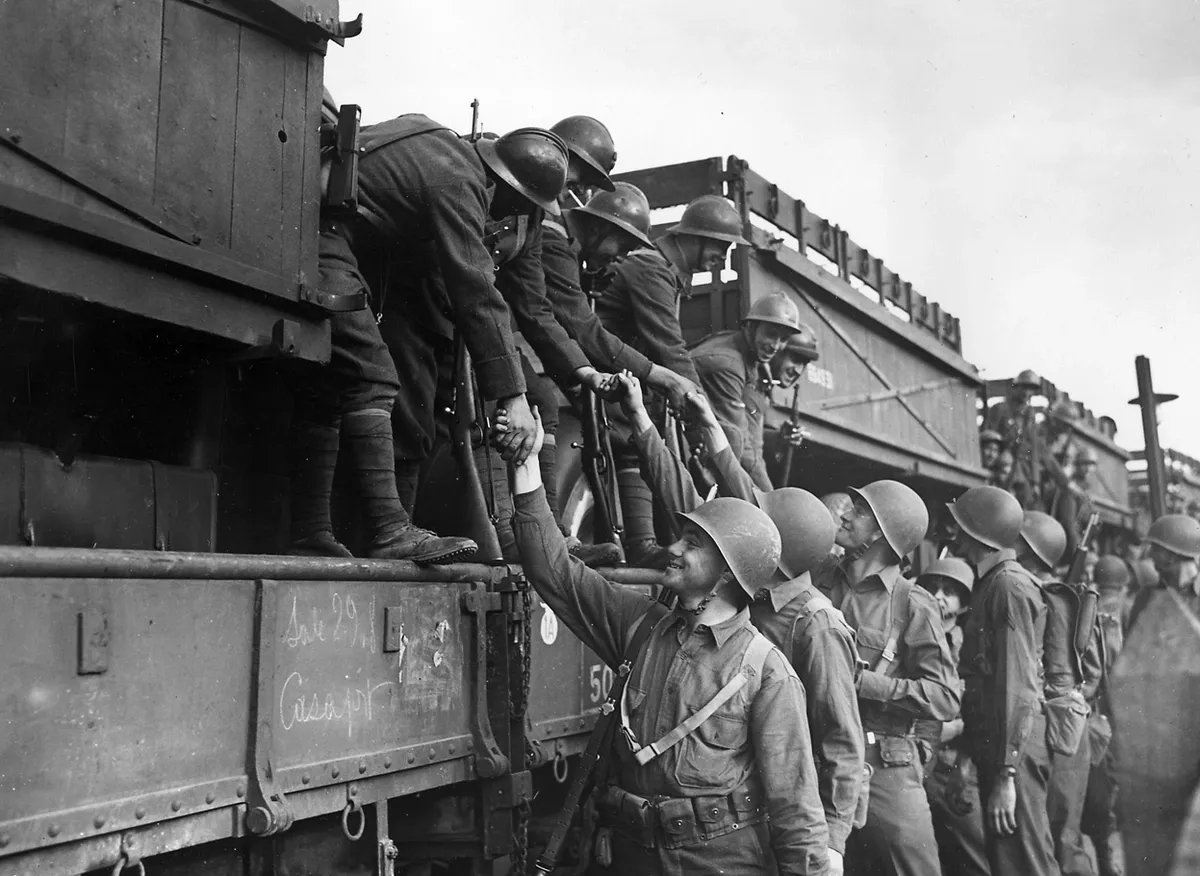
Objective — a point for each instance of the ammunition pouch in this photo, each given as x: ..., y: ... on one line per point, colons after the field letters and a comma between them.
x: 675, y: 822
x: 1066, y: 721
x: 1100, y: 735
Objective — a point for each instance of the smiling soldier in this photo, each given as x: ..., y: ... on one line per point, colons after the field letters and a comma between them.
x: 713, y: 767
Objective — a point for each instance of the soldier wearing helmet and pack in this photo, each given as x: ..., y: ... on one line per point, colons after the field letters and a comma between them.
x: 714, y: 771
x: 639, y: 303
x: 957, y: 822
x: 1033, y: 449
x: 1173, y: 546
x: 1001, y: 663
x: 1073, y: 668
x: 910, y: 674
x: 732, y: 367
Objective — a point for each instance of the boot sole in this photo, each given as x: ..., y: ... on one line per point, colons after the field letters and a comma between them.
x: 443, y: 557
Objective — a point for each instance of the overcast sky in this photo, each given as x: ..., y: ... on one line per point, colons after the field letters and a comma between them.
x: 1028, y: 165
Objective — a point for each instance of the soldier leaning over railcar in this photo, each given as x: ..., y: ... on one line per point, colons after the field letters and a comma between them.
x: 736, y: 791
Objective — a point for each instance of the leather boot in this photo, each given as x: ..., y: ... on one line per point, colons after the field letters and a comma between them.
x: 597, y: 555
x: 368, y: 437
x: 313, y: 458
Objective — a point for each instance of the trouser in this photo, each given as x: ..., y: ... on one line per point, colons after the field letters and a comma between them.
x: 898, y: 838
x: 1064, y: 807
x: 959, y: 837
x: 1030, y: 850
x: 1101, y: 818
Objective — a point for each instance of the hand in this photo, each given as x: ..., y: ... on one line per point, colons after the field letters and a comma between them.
x: 837, y: 866
x: 793, y: 434
x: 952, y: 730
x: 956, y: 790
x: 1002, y: 807
x: 696, y: 404
x: 674, y: 386
x: 604, y: 385
x: 633, y: 401
x: 515, y: 429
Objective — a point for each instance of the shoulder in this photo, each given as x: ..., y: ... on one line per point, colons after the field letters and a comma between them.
x: 719, y: 351
x: 644, y: 264
x: 776, y: 667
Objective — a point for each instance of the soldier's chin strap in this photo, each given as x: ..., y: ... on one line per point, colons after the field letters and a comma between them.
x: 699, y: 609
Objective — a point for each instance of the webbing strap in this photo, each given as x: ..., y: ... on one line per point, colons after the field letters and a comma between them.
x: 900, y: 618
x: 752, y: 662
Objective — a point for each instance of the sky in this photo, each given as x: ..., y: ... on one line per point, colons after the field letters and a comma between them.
x: 1031, y: 166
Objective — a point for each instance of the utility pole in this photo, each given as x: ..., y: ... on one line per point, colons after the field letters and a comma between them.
x: 1148, y: 401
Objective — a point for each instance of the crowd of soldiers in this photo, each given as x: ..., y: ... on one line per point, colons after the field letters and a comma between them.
x: 800, y: 704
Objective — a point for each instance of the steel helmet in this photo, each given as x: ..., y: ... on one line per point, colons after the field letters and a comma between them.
x: 1044, y: 536
x: 955, y: 569
x: 625, y: 207
x: 776, y: 308
x: 802, y: 345
x: 989, y: 515
x: 804, y: 524
x: 1029, y: 378
x: 1177, y: 533
x: 1110, y: 573
x: 1087, y: 456
x: 532, y: 161
x: 899, y: 511
x: 711, y: 216
x: 837, y: 504
x: 1063, y: 411
x: 745, y: 536
x: 1146, y: 574
x: 589, y: 141
x: 990, y: 435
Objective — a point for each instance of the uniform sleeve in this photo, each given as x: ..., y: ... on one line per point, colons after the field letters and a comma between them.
x: 523, y: 284
x: 1066, y: 512
x: 783, y: 752
x: 650, y: 290
x: 732, y: 479
x: 1093, y: 662
x: 456, y: 218
x: 572, y: 310
x: 930, y: 688
x: 825, y: 662
x: 601, y: 614
x: 1015, y: 658
x: 669, y: 478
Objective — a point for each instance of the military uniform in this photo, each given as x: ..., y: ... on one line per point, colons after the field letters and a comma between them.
x: 1099, y: 821
x: 730, y: 374
x: 1002, y: 708
x: 1032, y: 459
x: 738, y: 795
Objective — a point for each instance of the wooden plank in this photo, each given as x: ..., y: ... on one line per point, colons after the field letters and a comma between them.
x: 194, y: 170
x: 296, y: 126
x: 773, y: 204
x: 111, y: 129
x: 258, y: 174
x: 675, y: 184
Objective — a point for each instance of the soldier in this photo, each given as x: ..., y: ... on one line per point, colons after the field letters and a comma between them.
x: 1015, y: 421
x: 1072, y: 679
x: 638, y: 301
x: 957, y: 820
x: 799, y: 351
x: 735, y: 792
x: 911, y: 674
x: 1003, y: 471
x: 1099, y: 822
x: 1002, y: 665
x: 1173, y: 546
x: 990, y: 445
x: 732, y: 366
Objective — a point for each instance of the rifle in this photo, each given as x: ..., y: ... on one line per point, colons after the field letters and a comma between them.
x: 475, y: 132
x: 789, y: 449
x: 1089, y: 598
x: 468, y: 414
x: 600, y: 470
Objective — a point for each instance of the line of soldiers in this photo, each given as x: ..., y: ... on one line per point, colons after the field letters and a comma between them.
x: 792, y: 710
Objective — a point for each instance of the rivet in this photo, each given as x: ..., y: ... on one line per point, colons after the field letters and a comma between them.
x: 241, y: 790
x: 176, y: 805
x: 54, y: 830
x: 387, y: 763
x: 305, y: 779
x: 5, y: 839
x: 432, y: 754
x: 412, y: 758
x: 470, y: 745
x: 362, y: 767
x: 335, y: 772
x: 98, y: 821
x: 452, y: 749
x: 140, y: 812
x: 209, y: 797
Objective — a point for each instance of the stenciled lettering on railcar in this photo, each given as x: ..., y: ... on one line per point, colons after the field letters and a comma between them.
x: 339, y: 624
x: 822, y: 377
x: 349, y: 704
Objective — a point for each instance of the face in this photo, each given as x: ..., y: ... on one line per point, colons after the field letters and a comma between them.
x: 1175, y: 571
x: 788, y: 369
x: 859, y: 527
x: 1021, y: 395
x: 767, y: 339
x: 578, y: 188
x: 989, y: 453
x: 948, y: 595
x: 703, y: 254
x: 1004, y: 467
x: 601, y: 243
x: 695, y: 565
x: 1084, y: 471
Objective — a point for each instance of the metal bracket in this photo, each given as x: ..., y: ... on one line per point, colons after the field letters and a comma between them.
x: 94, y: 631
x: 500, y: 797
x: 267, y: 810
x: 329, y: 26
x: 386, y: 852
x: 343, y: 302
x: 489, y: 760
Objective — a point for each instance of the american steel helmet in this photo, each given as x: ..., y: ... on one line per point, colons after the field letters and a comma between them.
x: 1063, y: 411
x: 531, y: 160
x: 746, y: 537
x: 899, y: 511
x: 955, y: 569
x: 1177, y: 533
x: 711, y: 216
x: 1029, y: 378
x: 1110, y: 573
x: 625, y: 207
x: 1044, y: 536
x: 990, y: 436
x: 589, y: 140
x: 777, y: 309
x: 804, y: 524
x: 989, y: 515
